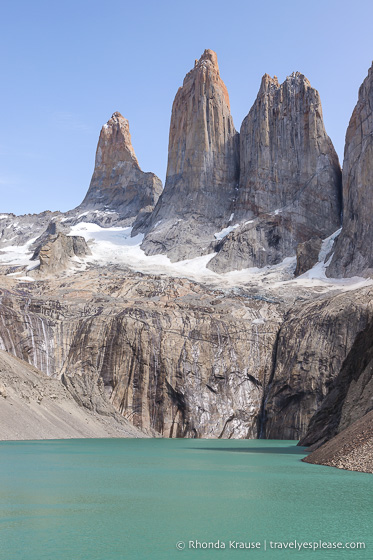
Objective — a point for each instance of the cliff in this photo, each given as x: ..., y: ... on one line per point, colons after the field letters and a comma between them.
x: 353, y: 253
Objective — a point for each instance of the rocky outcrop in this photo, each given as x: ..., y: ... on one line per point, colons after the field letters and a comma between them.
x: 354, y: 248
x: 290, y: 178
x: 21, y: 230
x: 54, y: 228
x: 35, y: 406
x: 58, y: 252
x: 352, y: 449
x: 307, y: 255
x: 351, y: 395
x: 118, y: 185
x: 203, y: 167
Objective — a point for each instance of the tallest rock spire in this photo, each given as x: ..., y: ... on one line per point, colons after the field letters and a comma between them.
x: 203, y: 166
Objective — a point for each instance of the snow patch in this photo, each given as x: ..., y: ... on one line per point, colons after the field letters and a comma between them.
x: 316, y: 276
x: 17, y: 254
x: 224, y: 232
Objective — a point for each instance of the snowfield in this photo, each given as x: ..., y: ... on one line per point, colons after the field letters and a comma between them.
x: 115, y: 245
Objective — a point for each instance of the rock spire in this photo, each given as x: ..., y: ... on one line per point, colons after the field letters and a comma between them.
x: 203, y: 166
x: 290, y: 178
x: 118, y: 184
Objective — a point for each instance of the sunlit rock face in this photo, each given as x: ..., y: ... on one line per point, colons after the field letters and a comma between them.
x: 290, y: 178
x: 354, y: 248
x: 179, y: 359
x: 118, y: 184
x: 203, y: 166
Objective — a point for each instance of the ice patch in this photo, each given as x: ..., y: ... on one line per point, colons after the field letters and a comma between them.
x: 26, y: 279
x: 224, y: 232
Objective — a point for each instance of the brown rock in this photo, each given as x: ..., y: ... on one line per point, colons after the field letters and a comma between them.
x: 203, y: 166
x: 351, y: 394
x: 39, y: 407
x: 118, y: 184
x: 58, y: 251
x: 313, y: 343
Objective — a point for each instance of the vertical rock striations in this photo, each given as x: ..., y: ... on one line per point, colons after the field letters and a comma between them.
x: 290, y: 178
x: 118, y: 184
x: 354, y: 250
x: 203, y: 166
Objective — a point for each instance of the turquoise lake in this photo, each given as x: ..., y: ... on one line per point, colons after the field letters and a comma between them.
x: 137, y: 498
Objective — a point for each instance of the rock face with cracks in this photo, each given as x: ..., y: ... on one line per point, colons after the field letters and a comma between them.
x: 58, y: 251
x: 354, y: 249
x: 351, y: 394
x: 35, y: 406
x: 183, y: 359
x: 203, y: 167
x: 118, y: 184
x: 290, y: 178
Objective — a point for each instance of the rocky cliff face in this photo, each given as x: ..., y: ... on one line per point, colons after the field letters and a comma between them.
x: 203, y: 167
x: 290, y: 178
x: 184, y: 359
x: 313, y: 343
x: 171, y: 355
x: 118, y: 185
x: 351, y: 395
x: 354, y: 250
x: 191, y: 360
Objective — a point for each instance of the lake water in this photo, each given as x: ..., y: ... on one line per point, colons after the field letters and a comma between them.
x: 135, y: 499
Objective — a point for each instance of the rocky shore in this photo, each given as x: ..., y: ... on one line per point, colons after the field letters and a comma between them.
x: 351, y: 449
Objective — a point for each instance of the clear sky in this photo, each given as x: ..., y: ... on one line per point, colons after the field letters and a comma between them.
x: 66, y: 66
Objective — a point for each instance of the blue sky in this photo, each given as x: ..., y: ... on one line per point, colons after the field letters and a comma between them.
x: 66, y: 66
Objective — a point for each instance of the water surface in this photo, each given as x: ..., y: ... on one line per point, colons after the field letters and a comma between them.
x: 135, y: 499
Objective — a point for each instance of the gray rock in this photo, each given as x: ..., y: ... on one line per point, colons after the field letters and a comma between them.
x: 351, y: 395
x: 290, y: 178
x: 354, y: 248
x: 312, y: 348
x: 307, y: 255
